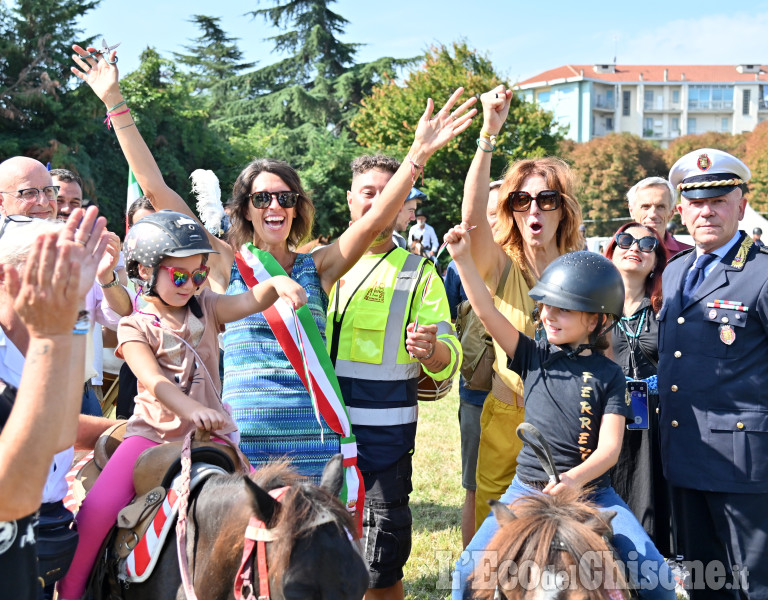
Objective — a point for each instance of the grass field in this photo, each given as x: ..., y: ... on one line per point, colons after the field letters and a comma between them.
x: 436, y: 500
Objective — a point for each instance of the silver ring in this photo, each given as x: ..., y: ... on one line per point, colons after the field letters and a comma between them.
x: 81, y: 242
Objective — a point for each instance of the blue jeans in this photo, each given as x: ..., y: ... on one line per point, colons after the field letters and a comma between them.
x: 647, y: 570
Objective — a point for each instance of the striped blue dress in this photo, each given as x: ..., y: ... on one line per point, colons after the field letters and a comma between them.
x: 270, y: 405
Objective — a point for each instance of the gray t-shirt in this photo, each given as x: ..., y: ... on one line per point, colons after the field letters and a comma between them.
x: 566, y: 402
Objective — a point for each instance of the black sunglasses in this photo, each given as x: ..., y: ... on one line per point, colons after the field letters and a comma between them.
x: 264, y: 199
x: 625, y: 240
x: 545, y: 199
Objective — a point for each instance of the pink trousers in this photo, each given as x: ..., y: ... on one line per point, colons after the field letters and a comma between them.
x: 111, y: 493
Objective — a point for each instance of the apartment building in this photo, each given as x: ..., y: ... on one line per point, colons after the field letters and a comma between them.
x: 656, y: 102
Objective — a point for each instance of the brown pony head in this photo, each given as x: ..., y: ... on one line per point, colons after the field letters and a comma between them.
x: 550, y: 546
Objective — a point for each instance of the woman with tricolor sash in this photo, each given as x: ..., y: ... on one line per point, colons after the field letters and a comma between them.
x: 282, y: 387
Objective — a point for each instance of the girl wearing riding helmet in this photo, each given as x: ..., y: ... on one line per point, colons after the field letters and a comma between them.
x: 574, y: 395
x: 172, y: 347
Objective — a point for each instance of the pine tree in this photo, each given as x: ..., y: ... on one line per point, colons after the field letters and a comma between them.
x: 213, y: 57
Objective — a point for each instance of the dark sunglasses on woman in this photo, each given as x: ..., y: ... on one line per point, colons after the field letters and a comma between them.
x: 264, y: 199
x: 180, y: 276
x: 625, y: 240
x: 545, y: 200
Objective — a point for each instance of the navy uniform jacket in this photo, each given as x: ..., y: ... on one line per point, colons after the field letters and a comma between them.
x: 714, y: 395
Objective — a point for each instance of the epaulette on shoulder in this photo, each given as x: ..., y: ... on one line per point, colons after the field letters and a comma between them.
x: 682, y: 253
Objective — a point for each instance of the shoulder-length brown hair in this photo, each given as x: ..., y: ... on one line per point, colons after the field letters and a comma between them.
x: 241, y: 229
x: 653, y: 281
x: 558, y: 176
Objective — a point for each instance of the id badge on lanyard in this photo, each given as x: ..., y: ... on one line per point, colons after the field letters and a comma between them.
x: 638, y: 397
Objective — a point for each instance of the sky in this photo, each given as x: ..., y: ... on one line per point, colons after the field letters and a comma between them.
x: 521, y: 39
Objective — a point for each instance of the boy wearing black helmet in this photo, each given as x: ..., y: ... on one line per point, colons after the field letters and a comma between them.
x: 574, y: 395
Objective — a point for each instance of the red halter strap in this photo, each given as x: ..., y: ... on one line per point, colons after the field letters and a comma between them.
x: 256, y: 534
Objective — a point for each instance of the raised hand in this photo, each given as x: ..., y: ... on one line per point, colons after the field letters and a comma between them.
x: 434, y: 132
x: 496, y: 105
x: 86, y: 237
x: 47, y: 297
x: 97, y: 72
x: 110, y: 259
x: 458, y: 243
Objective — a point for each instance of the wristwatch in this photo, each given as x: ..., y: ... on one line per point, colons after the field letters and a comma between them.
x: 112, y: 283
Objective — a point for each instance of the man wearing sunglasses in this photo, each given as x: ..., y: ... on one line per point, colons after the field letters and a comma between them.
x: 651, y: 202
x: 713, y: 371
x: 372, y: 313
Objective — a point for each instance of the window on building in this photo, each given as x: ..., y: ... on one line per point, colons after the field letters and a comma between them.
x: 710, y: 97
x: 745, y: 98
x: 609, y: 123
x: 691, y: 125
x: 543, y: 97
x: 725, y: 124
x: 675, y: 96
x: 675, y: 124
x: 626, y: 99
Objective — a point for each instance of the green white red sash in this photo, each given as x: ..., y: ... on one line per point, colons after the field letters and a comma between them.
x: 256, y: 266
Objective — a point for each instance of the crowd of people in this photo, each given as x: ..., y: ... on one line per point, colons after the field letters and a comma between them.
x: 644, y: 368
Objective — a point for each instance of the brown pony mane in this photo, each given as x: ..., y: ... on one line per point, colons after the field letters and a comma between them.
x: 553, y: 532
x: 301, y: 506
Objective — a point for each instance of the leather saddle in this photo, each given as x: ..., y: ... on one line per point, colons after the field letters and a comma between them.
x: 153, y: 475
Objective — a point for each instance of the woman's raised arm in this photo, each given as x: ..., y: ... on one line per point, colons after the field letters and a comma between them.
x: 432, y: 133
x: 476, y: 188
x: 103, y: 78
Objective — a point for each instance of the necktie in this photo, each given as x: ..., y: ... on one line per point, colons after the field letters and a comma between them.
x: 696, y: 276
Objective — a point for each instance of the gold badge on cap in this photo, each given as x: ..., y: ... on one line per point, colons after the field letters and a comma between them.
x: 727, y: 335
x: 703, y: 163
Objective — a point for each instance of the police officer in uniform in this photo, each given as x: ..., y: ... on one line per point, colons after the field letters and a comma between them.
x: 713, y: 382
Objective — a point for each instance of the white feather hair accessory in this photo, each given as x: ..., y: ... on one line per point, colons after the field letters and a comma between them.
x: 205, y: 185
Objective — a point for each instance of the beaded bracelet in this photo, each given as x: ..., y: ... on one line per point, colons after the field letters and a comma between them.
x: 118, y: 105
x: 492, y: 146
x: 83, y: 323
x: 415, y: 167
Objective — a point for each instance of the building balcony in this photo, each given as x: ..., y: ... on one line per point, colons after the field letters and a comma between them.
x: 762, y: 105
x: 658, y: 134
x: 604, y: 104
x: 662, y: 107
x: 725, y: 106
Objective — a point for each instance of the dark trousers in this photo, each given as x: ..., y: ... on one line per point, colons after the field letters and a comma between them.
x: 723, y: 537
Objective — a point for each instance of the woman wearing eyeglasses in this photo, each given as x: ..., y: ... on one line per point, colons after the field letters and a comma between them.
x: 270, y: 216
x: 538, y: 220
x: 640, y: 257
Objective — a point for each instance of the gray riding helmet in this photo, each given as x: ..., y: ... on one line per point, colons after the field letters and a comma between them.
x: 160, y: 235
x: 583, y: 281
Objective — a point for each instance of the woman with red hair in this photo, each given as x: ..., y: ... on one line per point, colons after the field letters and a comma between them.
x: 639, y: 255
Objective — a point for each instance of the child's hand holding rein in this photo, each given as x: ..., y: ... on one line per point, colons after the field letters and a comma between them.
x: 207, y: 418
x: 566, y: 481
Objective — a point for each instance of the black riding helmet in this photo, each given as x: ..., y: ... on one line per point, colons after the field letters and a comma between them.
x: 582, y: 281
x: 158, y: 236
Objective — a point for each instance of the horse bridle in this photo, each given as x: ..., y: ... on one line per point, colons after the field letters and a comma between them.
x: 258, y: 535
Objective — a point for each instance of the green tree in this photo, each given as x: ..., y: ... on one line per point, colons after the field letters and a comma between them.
x: 756, y: 157
x: 36, y: 104
x: 213, y: 57
x: 605, y: 168
x: 733, y: 144
x: 388, y: 117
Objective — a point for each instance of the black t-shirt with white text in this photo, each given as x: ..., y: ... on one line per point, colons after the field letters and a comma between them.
x: 18, y: 545
x: 566, y: 402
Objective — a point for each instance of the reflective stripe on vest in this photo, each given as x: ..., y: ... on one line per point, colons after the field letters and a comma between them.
x: 389, y: 370
x: 382, y: 417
